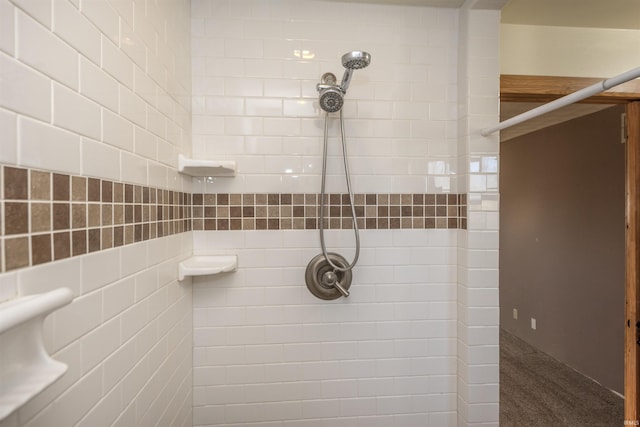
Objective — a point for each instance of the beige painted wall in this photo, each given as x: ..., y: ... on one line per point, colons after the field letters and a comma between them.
x: 562, y: 243
x: 567, y: 51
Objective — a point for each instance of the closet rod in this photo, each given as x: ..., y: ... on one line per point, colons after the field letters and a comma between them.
x: 579, y: 95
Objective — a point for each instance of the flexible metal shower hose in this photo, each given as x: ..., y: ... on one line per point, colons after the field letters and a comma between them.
x: 351, y: 201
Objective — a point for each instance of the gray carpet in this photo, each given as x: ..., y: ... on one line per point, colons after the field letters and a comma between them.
x: 538, y: 391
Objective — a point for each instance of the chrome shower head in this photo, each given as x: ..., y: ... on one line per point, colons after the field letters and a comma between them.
x: 331, y: 99
x: 355, y: 60
x: 332, y: 95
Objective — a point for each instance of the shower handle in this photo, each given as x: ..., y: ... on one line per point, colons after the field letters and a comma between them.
x: 330, y: 278
x: 342, y: 290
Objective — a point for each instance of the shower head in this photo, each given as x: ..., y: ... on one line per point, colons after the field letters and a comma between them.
x: 331, y: 99
x: 332, y: 95
x: 356, y: 60
x: 353, y: 61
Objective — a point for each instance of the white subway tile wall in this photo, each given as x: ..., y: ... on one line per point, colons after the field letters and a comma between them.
x: 255, y: 70
x: 265, y: 349
x: 266, y: 352
x: 478, y: 323
x: 102, y: 89
x: 415, y: 344
x: 84, y: 71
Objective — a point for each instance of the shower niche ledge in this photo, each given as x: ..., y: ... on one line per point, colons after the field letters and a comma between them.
x: 200, y: 167
x: 25, y: 365
x: 206, y: 265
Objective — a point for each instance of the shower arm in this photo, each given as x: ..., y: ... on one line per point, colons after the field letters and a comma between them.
x: 346, y: 80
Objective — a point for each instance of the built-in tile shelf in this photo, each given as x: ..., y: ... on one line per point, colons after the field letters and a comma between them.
x: 199, y: 167
x: 25, y: 366
x: 204, y: 265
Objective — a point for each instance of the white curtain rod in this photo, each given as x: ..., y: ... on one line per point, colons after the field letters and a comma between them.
x: 579, y: 95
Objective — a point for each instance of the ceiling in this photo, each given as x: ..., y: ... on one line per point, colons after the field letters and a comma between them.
x: 433, y: 3
x: 620, y: 14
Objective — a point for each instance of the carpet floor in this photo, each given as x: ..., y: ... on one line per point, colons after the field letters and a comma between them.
x: 538, y: 391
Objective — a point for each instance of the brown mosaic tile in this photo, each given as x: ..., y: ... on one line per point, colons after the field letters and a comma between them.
x: 61, y: 187
x: 16, y: 218
x: 61, y: 216
x: 107, y: 237
x: 137, y: 233
x: 107, y: 214
x: 40, y: 249
x: 16, y: 251
x: 78, y: 242
x: 15, y: 183
x: 118, y: 236
x: 78, y: 215
x: 93, y: 240
x: 118, y: 192
x: 93, y: 214
x: 40, y: 217
x: 107, y: 191
x: 40, y: 185
x: 128, y: 193
x: 79, y: 189
x: 61, y: 245
x: 93, y: 190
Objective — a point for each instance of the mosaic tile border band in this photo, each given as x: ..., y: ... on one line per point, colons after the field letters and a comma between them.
x: 47, y: 216
x: 301, y: 211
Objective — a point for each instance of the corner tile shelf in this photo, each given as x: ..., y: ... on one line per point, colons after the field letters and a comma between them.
x: 25, y: 366
x: 203, y: 265
x: 195, y: 167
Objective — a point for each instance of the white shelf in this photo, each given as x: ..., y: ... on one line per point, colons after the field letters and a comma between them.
x: 203, y: 265
x: 25, y: 366
x: 196, y: 167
